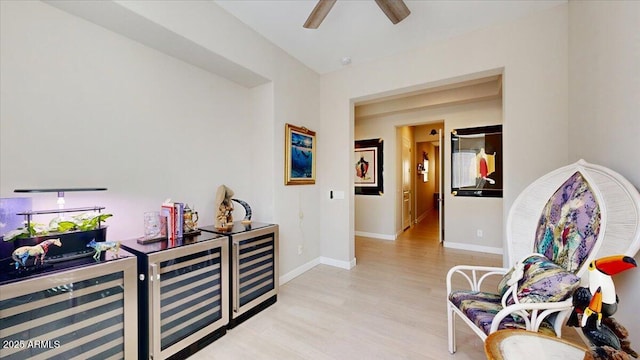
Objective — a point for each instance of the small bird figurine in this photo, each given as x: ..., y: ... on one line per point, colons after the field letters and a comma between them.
x: 598, y: 334
x: 606, y: 327
x: 599, y: 275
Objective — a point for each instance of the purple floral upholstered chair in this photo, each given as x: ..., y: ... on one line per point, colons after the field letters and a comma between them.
x: 555, y: 227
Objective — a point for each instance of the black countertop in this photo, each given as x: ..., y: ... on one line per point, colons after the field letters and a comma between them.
x: 134, y: 246
x: 238, y: 227
x: 16, y: 275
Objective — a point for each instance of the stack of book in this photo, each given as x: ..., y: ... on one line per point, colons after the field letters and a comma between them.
x: 174, y: 214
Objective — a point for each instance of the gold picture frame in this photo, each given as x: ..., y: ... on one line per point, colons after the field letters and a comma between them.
x: 299, y: 156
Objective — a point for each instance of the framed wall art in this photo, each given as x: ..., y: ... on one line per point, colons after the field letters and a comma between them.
x: 299, y: 156
x: 476, y: 161
x: 368, y: 167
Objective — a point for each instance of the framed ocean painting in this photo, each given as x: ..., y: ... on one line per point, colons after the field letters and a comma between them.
x: 299, y: 156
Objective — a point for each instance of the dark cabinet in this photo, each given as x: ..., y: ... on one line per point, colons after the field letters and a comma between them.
x: 184, y: 294
x: 84, y: 309
x: 253, y: 268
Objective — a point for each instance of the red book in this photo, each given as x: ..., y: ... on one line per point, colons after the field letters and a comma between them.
x: 168, y: 210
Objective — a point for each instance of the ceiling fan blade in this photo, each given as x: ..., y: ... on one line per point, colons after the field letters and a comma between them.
x: 396, y: 10
x: 319, y: 13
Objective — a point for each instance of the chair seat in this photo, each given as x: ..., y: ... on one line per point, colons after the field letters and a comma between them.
x: 482, y: 307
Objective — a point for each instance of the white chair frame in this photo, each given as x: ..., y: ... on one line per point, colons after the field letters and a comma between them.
x: 619, y: 203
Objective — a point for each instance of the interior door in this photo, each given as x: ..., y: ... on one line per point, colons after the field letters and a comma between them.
x: 440, y: 172
x: 406, y: 184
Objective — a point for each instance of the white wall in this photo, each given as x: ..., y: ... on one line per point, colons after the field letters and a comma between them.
x: 604, y: 117
x: 375, y: 215
x: 464, y: 215
x: 293, y: 97
x: 533, y: 53
x: 84, y: 106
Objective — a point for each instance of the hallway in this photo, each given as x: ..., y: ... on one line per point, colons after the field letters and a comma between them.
x: 426, y: 230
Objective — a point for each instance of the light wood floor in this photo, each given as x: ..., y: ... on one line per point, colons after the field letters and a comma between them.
x: 390, y: 306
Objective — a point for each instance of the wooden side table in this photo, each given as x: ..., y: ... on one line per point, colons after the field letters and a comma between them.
x: 523, y: 345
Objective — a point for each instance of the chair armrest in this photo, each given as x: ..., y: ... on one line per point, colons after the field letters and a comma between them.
x: 535, y: 313
x: 474, y: 275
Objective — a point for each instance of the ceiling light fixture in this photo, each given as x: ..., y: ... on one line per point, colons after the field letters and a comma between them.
x: 345, y: 60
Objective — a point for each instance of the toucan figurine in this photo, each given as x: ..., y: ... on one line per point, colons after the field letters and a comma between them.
x: 599, y: 275
x: 598, y: 334
x: 607, y: 342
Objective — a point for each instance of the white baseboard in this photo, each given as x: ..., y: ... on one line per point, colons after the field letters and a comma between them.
x: 311, y: 264
x: 338, y: 263
x: 471, y: 247
x: 298, y: 271
x: 376, y: 236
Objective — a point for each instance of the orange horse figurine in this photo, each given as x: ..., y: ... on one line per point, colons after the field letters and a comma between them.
x: 21, y: 254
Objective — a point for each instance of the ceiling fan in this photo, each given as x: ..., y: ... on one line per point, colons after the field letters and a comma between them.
x: 396, y: 11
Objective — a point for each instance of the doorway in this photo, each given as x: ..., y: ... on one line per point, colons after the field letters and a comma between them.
x: 387, y: 216
x: 407, y: 193
x: 424, y: 156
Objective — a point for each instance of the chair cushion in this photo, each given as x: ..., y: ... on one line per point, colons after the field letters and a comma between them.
x: 482, y: 307
x: 542, y: 281
x: 569, y: 225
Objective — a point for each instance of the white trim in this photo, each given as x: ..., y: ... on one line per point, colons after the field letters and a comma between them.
x: 470, y: 247
x: 298, y: 271
x: 376, y: 236
x: 338, y: 263
x: 311, y: 264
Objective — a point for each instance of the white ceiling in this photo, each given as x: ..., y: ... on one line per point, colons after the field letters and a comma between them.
x: 359, y: 29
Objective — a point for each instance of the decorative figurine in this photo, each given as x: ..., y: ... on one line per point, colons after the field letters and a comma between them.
x: 598, y: 334
x: 594, y: 306
x: 224, y: 208
x: 190, y: 219
x: 21, y: 254
x: 99, y: 247
x: 247, y: 211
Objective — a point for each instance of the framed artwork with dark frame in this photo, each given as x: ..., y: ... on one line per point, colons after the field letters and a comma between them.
x: 368, y: 166
x: 299, y: 156
x: 476, y: 161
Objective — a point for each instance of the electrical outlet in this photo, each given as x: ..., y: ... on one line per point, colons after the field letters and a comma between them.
x: 299, y: 249
x: 479, y: 233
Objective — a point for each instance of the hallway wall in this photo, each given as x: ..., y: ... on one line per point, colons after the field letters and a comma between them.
x: 531, y: 53
x: 374, y: 214
x: 424, y: 191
